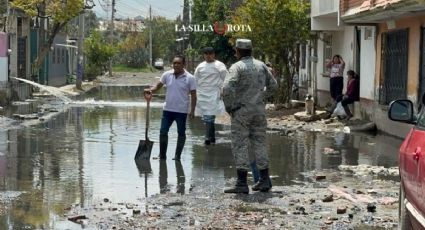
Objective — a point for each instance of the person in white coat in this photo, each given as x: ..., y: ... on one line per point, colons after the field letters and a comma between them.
x: 209, y: 76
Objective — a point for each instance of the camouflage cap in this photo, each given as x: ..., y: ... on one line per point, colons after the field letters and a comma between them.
x: 245, y: 44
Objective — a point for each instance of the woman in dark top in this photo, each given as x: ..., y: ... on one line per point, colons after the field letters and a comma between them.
x: 352, y: 94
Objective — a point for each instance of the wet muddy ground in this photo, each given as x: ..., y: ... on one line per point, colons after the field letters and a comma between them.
x: 74, y: 169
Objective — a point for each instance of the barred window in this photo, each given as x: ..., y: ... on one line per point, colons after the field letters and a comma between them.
x: 327, y: 51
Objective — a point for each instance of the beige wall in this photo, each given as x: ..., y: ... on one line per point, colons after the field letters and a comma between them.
x: 413, y: 24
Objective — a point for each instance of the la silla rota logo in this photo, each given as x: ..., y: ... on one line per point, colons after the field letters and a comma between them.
x: 219, y: 28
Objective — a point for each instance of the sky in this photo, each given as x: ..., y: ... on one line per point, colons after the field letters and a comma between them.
x: 132, y: 8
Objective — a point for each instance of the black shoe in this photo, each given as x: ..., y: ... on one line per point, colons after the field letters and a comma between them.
x: 241, y: 184
x: 207, y: 142
x: 264, y: 184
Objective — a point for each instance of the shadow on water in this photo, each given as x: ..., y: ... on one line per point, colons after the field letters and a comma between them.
x: 86, y: 154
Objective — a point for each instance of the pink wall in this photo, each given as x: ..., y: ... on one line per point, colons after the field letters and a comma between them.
x: 3, y: 44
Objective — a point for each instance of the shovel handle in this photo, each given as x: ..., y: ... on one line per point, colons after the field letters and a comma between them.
x: 147, y: 117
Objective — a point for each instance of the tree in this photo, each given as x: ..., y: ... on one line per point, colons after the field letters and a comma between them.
x: 59, y: 11
x: 98, y: 53
x: 164, y: 38
x: 277, y: 29
x: 207, y: 13
x: 133, y: 52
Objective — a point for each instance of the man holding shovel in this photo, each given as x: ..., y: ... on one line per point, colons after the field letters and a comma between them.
x: 180, y: 84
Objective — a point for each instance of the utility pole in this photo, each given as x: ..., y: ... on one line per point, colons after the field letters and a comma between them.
x: 150, y: 37
x: 80, y: 60
x: 111, y: 36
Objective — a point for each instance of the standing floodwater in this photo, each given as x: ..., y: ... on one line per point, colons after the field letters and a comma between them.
x: 85, y: 155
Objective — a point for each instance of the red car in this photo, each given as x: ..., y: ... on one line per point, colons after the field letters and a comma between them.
x: 412, y: 164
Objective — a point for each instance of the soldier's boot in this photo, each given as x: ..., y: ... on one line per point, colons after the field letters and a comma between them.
x: 163, y: 144
x: 241, y: 185
x: 207, y: 133
x: 179, y: 148
x: 264, y: 184
x: 212, y: 133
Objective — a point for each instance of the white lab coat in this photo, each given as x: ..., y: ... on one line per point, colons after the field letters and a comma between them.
x: 209, y: 81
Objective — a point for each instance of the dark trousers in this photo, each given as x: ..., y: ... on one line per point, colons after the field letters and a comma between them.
x: 336, y: 85
x: 167, y: 120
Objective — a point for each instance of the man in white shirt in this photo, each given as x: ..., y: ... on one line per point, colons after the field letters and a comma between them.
x: 180, y: 84
x: 209, y: 77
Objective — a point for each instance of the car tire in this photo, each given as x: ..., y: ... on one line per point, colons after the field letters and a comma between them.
x: 403, y: 215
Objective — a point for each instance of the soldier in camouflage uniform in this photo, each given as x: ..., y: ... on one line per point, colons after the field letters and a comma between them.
x: 247, y: 86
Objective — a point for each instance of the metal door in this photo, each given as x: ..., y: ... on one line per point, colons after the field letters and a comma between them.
x: 393, y: 83
x: 22, y: 57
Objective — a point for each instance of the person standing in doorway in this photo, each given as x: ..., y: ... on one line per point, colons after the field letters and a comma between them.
x: 246, y: 88
x: 209, y: 76
x: 336, y: 81
x: 180, y: 84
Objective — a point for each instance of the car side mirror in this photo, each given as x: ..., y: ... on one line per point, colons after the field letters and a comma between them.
x: 402, y: 110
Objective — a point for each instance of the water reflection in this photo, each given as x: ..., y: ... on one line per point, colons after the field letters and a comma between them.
x: 145, y: 169
x: 86, y: 154
x: 163, y: 177
x: 181, y: 180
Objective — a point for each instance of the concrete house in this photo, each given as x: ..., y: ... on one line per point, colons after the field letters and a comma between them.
x: 397, y: 27
x: 18, y: 33
x: 331, y: 36
x: 382, y: 40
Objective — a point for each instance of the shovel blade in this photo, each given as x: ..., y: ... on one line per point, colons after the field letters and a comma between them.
x: 144, y: 150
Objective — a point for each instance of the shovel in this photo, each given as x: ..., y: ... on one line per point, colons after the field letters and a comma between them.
x: 145, y: 146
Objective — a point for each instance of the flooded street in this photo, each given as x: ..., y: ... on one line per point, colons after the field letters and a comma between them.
x: 84, y: 157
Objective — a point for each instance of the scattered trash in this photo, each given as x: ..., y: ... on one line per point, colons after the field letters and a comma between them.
x: 371, y: 207
x: 76, y: 219
x: 331, y: 151
x: 328, y: 198
x: 341, y: 210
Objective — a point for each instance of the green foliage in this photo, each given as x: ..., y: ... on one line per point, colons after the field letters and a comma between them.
x: 277, y: 28
x: 163, y: 38
x: 125, y: 68
x: 134, y: 47
x: 60, y: 11
x: 132, y: 51
x: 3, y: 6
x: 206, y: 13
x: 98, y: 52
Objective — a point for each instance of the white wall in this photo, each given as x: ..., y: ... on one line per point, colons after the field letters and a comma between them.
x: 367, y: 64
x: 3, y: 69
x: 342, y: 44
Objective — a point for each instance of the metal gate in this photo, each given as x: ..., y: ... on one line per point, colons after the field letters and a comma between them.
x: 22, y: 57
x: 393, y: 82
x: 421, y: 89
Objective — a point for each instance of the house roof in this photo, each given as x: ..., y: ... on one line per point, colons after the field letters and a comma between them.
x: 381, y: 11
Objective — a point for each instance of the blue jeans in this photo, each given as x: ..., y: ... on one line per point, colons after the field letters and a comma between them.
x: 208, y: 118
x: 255, y: 172
x: 167, y: 120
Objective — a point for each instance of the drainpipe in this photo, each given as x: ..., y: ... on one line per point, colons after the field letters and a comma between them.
x: 314, y: 88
